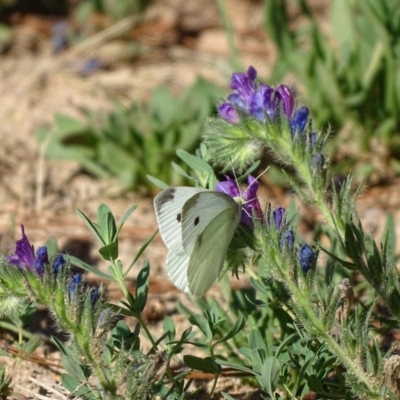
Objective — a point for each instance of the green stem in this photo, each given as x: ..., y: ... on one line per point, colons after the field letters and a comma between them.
x: 148, y: 334
x: 211, y: 349
x: 19, y: 331
x: 334, y: 347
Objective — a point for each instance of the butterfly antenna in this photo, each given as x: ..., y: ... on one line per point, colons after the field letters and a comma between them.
x: 256, y: 179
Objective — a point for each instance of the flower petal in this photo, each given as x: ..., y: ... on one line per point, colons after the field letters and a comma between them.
x: 24, y: 255
x: 228, y: 187
x: 227, y: 112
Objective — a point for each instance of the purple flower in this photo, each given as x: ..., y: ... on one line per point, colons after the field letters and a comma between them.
x: 250, y: 205
x: 278, y: 215
x: 258, y: 100
x: 24, y: 254
x: 41, y: 260
x: 75, y: 282
x: 58, y: 264
x: 228, y: 113
x: 306, y: 258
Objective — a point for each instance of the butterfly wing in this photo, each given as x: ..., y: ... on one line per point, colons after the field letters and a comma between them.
x: 168, y: 206
x: 209, y: 221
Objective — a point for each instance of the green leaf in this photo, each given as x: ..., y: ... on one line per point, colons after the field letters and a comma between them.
x: 31, y: 345
x: 256, y: 341
x: 239, y: 367
x: 236, y: 328
x: 270, y: 372
x: 202, y: 324
x: 140, y: 252
x: 79, y: 263
x: 142, y: 287
x: 181, y: 171
x: 106, y: 223
x: 202, y: 364
x: 94, y: 228
x: 157, y: 182
x: 73, y: 368
x: 125, y: 217
x: 67, y: 125
x: 194, y: 162
x: 75, y: 386
x: 110, y: 251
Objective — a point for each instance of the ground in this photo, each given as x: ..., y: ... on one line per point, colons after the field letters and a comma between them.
x: 178, y: 41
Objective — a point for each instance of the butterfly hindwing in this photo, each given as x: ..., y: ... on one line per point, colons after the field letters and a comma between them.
x: 209, y: 252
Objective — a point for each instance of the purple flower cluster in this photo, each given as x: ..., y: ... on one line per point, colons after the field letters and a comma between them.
x: 25, y: 259
x: 251, y: 207
x: 261, y: 102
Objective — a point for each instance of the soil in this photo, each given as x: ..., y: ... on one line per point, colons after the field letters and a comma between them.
x: 177, y: 41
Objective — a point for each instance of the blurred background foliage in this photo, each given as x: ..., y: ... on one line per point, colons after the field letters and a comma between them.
x: 132, y: 142
x: 346, y: 68
x: 349, y: 72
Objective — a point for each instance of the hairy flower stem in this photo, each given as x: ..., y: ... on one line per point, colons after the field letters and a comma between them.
x: 353, y: 368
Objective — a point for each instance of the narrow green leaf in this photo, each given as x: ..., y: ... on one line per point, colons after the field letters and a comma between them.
x: 140, y: 252
x: 73, y: 368
x: 270, y: 373
x: 194, y: 162
x: 157, y: 182
x: 202, y: 364
x: 181, y: 171
x: 239, y: 367
x: 125, y: 217
x: 202, y: 324
x: 31, y: 345
x: 236, y: 328
x: 79, y: 263
x: 142, y: 287
x: 95, y: 229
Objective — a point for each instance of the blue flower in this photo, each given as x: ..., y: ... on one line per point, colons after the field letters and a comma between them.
x: 58, y: 264
x: 94, y: 297
x: 306, y: 258
x: 250, y: 205
x: 317, y: 161
x: 286, y: 240
x: 24, y: 254
x: 299, y: 121
x: 41, y: 260
x: 75, y: 282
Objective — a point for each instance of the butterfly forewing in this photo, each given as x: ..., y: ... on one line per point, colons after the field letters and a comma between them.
x: 200, y: 210
x: 208, y: 255
x: 168, y: 205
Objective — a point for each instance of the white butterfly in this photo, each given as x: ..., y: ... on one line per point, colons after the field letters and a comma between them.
x: 197, y: 226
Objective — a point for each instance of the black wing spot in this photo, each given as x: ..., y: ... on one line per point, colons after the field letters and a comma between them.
x: 196, y: 221
x: 179, y: 217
